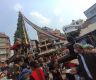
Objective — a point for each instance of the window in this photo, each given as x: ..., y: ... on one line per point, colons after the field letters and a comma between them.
x: 2, y: 39
x: 2, y: 44
x: 2, y: 51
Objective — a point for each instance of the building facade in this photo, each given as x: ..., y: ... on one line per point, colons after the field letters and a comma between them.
x: 91, y: 14
x: 74, y: 26
x: 4, y: 47
x: 88, y: 35
x: 48, y: 45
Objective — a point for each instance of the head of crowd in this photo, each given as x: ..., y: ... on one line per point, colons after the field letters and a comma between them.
x: 22, y: 67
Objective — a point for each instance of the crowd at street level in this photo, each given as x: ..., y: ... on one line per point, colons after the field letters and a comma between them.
x: 39, y: 68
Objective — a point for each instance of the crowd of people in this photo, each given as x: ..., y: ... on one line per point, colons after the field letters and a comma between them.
x: 55, y: 66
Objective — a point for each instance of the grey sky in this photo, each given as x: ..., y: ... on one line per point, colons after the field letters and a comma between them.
x: 51, y: 13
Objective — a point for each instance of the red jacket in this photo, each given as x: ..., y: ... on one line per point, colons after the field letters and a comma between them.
x: 38, y: 74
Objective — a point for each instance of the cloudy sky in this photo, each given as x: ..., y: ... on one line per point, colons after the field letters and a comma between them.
x: 51, y: 13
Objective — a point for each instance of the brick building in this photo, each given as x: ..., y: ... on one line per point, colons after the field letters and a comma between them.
x: 48, y: 45
x: 4, y: 47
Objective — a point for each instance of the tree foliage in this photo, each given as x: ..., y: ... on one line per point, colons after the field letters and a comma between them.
x: 21, y: 30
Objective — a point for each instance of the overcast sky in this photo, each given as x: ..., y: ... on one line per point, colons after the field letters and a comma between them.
x: 51, y: 13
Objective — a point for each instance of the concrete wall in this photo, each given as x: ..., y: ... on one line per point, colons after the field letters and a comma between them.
x: 89, y: 13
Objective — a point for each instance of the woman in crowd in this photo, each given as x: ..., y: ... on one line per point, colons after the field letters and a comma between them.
x: 37, y: 72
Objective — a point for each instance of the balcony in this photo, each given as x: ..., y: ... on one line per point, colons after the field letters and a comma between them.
x: 47, y: 52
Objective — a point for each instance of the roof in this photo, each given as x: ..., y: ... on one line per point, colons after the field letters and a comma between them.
x: 45, y: 45
x: 3, y: 35
x: 71, y: 30
x: 43, y: 40
x: 89, y: 9
x: 90, y: 28
x: 47, y: 52
x: 62, y: 42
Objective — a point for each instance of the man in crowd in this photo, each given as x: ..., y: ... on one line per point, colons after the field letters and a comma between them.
x: 87, y: 63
